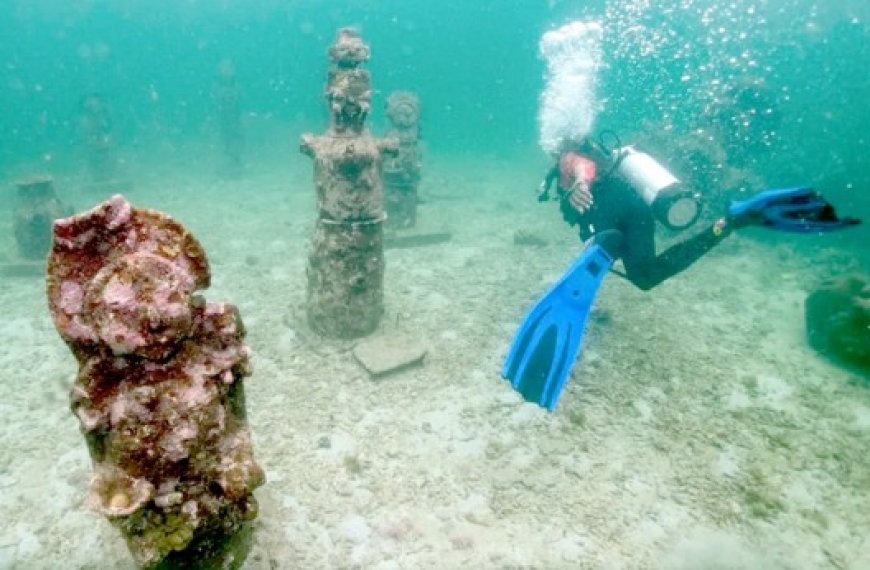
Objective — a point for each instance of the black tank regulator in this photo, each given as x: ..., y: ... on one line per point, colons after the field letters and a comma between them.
x: 676, y: 205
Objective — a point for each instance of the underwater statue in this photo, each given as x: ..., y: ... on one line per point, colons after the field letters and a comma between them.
x: 227, y: 99
x: 159, y: 393
x: 402, y: 171
x: 96, y: 131
x: 345, y: 296
x: 36, y: 207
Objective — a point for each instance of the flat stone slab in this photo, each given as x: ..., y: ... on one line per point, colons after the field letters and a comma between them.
x: 406, y: 239
x: 387, y: 354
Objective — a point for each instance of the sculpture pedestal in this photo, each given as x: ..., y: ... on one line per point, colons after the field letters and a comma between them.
x: 346, y: 278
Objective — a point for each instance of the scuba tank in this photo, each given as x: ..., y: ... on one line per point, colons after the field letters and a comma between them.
x: 673, y: 204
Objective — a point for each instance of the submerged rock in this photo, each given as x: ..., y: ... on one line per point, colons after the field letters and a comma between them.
x: 838, y: 320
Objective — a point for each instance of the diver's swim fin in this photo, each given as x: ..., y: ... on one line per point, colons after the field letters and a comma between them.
x: 548, y: 340
x: 801, y: 210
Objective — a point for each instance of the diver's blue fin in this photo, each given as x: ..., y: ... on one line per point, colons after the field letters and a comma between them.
x: 548, y: 340
x: 801, y: 210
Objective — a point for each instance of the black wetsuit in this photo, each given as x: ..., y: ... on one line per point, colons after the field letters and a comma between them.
x: 623, y: 224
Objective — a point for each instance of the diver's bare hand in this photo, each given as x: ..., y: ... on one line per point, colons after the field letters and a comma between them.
x: 580, y: 197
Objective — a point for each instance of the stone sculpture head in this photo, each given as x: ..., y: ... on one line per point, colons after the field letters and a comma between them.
x: 349, y: 49
x: 403, y: 109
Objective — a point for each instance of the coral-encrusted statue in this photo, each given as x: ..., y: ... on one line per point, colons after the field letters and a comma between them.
x: 402, y: 171
x: 346, y: 262
x: 159, y: 391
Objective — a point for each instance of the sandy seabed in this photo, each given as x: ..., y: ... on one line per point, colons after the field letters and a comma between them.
x: 698, y: 430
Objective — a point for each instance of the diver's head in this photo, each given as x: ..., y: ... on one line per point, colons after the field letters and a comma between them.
x: 586, y: 146
x: 581, y: 145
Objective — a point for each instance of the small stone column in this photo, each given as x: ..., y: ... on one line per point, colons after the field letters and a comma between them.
x: 402, y: 171
x: 346, y: 261
x: 36, y: 208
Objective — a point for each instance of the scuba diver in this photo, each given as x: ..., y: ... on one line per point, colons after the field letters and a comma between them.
x: 616, y: 195
x: 623, y: 220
